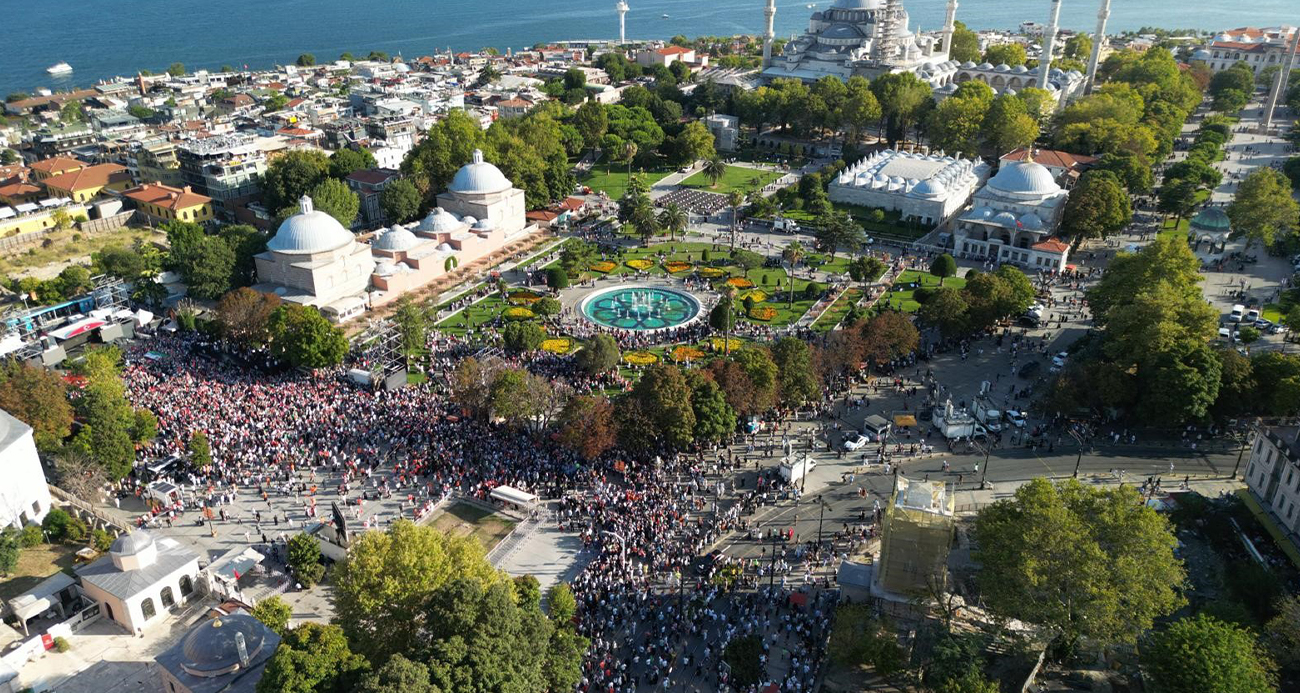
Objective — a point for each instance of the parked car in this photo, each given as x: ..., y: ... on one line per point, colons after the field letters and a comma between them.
x: 1015, y: 418
x: 857, y: 442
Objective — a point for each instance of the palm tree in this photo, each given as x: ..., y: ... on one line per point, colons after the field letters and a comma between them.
x: 715, y: 169
x: 792, y: 254
x: 674, y: 220
x: 629, y: 153
x: 735, y: 198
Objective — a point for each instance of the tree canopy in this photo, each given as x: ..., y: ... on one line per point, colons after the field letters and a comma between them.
x: 1202, y: 653
x: 301, y: 336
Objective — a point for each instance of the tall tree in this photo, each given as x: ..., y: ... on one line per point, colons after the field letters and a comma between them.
x: 347, y: 161
x: 665, y: 397
x: 714, y: 417
x: 1097, y: 207
x: 312, y: 658
x: 1202, y: 653
x: 1263, y: 207
x: 965, y: 44
x: 292, y: 175
x: 1008, y: 124
x: 796, y: 376
x: 838, y: 230
x: 400, y: 201
x: 946, y: 309
x: 336, y: 199
x: 903, y: 97
x: 245, y: 315
x: 39, y: 398
x: 587, y: 426
x: 399, y: 675
x: 301, y: 336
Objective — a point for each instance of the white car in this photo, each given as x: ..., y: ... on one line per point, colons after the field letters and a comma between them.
x: 856, y: 443
x: 1014, y: 418
x: 1225, y: 333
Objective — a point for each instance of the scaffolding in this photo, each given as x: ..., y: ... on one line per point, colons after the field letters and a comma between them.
x: 887, y: 26
x: 917, y: 533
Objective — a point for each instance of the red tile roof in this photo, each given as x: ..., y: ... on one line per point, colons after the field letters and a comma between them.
x: 19, y: 190
x: 1052, y: 245
x: 96, y: 176
x: 573, y: 203
x: 57, y: 163
x: 167, y: 197
x: 1052, y: 158
x: 541, y: 215
x: 673, y: 50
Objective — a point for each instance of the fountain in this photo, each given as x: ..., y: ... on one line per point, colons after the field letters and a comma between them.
x: 640, y: 308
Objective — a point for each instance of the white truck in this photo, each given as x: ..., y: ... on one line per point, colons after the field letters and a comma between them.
x: 954, y: 424
x: 988, y: 415
x: 795, y: 466
x: 782, y: 224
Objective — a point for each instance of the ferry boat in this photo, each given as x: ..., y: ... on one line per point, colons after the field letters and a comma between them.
x: 59, y: 69
x: 663, y: 16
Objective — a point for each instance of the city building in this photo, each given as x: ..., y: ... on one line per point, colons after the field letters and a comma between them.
x: 916, y: 534
x: 1256, y: 48
x: 157, y: 160
x: 139, y: 577
x: 925, y: 188
x: 225, y: 168
x: 224, y: 654
x: 665, y: 56
x: 1273, y: 476
x: 25, y: 496
x: 313, y: 260
x: 1003, y: 79
x: 726, y: 131
x: 55, y: 166
x: 1064, y: 166
x: 368, y: 184
x: 862, y: 37
x: 87, y: 183
x: 162, y: 203
x: 513, y: 107
x: 1013, y: 218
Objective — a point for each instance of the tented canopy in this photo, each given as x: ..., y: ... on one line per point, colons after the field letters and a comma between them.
x: 509, y: 494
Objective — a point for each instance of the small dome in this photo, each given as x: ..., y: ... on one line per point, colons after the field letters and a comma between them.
x: 385, y: 268
x: 986, y: 66
x: 467, y: 219
x: 309, y: 231
x: 841, y: 31
x: 1031, y: 222
x: 1003, y: 67
x: 212, y: 649
x: 1024, y: 178
x: 858, y: 5
x: 479, y: 178
x: 1201, y: 54
x: 1010, y: 92
x: 1004, y: 219
x: 131, y: 543
x: 1212, y: 219
x: 396, y: 239
x: 484, y: 225
x: 930, y: 188
x: 1020, y: 69
x: 968, y: 65
x: 438, y: 220
x: 445, y: 248
x: 979, y: 213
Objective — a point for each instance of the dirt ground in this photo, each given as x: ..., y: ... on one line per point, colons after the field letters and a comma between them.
x: 461, y: 519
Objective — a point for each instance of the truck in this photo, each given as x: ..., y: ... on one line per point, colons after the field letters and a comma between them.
x: 782, y: 224
x: 795, y: 466
x: 955, y: 424
x: 988, y: 415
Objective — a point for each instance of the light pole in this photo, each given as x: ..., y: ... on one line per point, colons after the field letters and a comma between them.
x: 1245, y: 436
x: 984, y: 448
x: 1078, y: 438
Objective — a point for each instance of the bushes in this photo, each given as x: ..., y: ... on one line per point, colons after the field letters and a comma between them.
x: 101, y: 540
x: 304, y: 559
x: 60, y: 527
x: 31, y: 536
x: 812, y: 291
x: 61, y: 644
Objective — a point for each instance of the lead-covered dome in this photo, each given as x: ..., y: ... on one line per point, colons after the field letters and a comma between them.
x: 930, y: 187
x: 212, y: 649
x: 309, y: 231
x: 479, y: 178
x: 396, y: 239
x: 439, y: 220
x: 1024, y: 178
x: 858, y: 4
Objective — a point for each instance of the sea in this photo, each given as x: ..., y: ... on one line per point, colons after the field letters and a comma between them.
x: 106, y: 38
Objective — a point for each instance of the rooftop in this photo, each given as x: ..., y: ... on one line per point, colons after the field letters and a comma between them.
x: 167, y: 197
x: 125, y: 584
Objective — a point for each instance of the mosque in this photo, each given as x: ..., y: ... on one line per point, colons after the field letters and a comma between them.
x: 313, y: 260
x: 1013, y: 219
x: 925, y: 188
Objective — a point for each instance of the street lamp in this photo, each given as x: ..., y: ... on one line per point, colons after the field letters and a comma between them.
x: 1078, y: 438
x: 984, y: 448
x: 1244, y: 436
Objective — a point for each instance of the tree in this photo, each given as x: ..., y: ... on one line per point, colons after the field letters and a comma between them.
x: 302, y: 337
x: 305, y: 60
x: 586, y: 426
x: 10, y: 549
x: 592, y: 122
x: 245, y: 315
x: 673, y: 220
x: 695, y: 143
x: 944, y: 266
x: 562, y: 604
x: 72, y: 112
x: 275, y: 613
x: 109, y: 418
x: 557, y: 278
x: 714, y: 417
x: 414, y: 321
x: 313, y: 658
x: 1178, y: 197
x: 965, y: 44
x: 1202, y: 653
x: 176, y: 70
x: 887, y: 336
x: 1083, y: 562
x: 200, y: 451
x: 382, y: 589
x: 1008, y: 124
x: 902, y: 97
x: 743, y: 656
x: 795, y: 374
x: 304, y: 559
x: 861, y: 108
x: 77, y: 473
x: 866, y: 269
x: 715, y: 169
x: 292, y: 175
x: 762, y: 374
x: 955, y: 125
x: 398, y: 675
x: 347, y: 161
x: 1263, y: 207
x: 1132, y: 168
x: 837, y: 229
x: 61, y: 527
x: 336, y: 199
x: 1010, y: 54
x: 1078, y: 47
x: 400, y: 201
x: 523, y: 336
x: 665, y: 397
x: 598, y: 355
x: 39, y: 398
x: 722, y: 317
x: 947, y: 310
x: 1282, y: 632
x: 1097, y: 207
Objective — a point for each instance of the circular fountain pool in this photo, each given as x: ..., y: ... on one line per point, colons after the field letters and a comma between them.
x: 640, y: 308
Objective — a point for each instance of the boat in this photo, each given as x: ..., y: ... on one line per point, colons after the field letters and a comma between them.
x: 663, y: 16
x: 60, y: 68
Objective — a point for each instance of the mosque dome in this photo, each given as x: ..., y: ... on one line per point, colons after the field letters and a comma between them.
x: 484, y: 225
x: 842, y: 31
x: 445, y: 248
x: 1201, y: 54
x: 1010, y: 92
x: 467, y: 219
x: 309, y: 231
x: 979, y: 213
x: 858, y: 4
x: 1024, y: 178
x: 479, y: 178
x: 212, y: 648
x: 396, y: 239
x: 132, y: 543
x: 968, y: 65
x: 1003, y: 67
x: 1004, y: 219
x: 930, y: 188
x: 1020, y: 69
x: 1031, y: 222
x: 385, y: 268
x: 985, y: 66
x: 438, y: 220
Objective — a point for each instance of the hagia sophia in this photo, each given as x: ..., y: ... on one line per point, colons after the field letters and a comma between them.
x: 313, y: 260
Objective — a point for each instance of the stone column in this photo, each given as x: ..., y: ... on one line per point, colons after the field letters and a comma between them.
x: 1098, y: 40
x: 1049, y: 45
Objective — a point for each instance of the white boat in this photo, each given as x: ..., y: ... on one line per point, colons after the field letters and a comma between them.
x: 663, y: 16
x: 59, y: 69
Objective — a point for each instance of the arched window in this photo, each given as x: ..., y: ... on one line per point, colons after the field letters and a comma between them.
x: 186, y: 586
x: 168, y: 601
x: 146, y: 608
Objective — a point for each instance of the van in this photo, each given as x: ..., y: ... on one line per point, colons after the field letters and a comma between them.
x: 876, y: 427
x: 1252, y: 316
x: 1237, y: 312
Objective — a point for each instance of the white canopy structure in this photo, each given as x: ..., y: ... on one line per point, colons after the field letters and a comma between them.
x: 510, y: 494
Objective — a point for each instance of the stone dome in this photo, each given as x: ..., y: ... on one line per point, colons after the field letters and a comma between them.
x: 132, y: 543
x: 1020, y: 69
x: 986, y: 66
x: 385, y: 268
x: 445, y: 248
x: 1004, y: 219
x: 309, y: 231
x: 1003, y: 67
x: 979, y: 213
x: 968, y: 65
x: 929, y: 188
x: 479, y: 178
x: 484, y: 225
x: 211, y: 649
x: 438, y: 220
x: 396, y: 239
x: 858, y: 5
x: 1031, y: 222
x: 467, y: 219
x: 1024, y: 179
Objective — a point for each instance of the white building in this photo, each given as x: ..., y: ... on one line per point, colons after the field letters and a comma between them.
x: 1256, y: 48
x: 25, y: 497
x: 726, y: 131
x: 313, y: 260
x: 929, y: 189
x: 1013, y: 218
x: 140, y: 578
x: 858, y: 37
x: 1003, y: 79
x: 1273, y: 476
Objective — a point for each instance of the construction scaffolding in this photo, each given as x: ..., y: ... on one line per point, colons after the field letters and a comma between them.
x: 917, y: 533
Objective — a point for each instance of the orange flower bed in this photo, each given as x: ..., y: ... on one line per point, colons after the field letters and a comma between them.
x: 686, y: 353
x: 641, y: 265
x: 640, y: 358
x: 603, y: 266
x: 676, y: 266
x: 524, y: 298
x: 763, y: 313
x: 711, y: 272
x: 740, y: 283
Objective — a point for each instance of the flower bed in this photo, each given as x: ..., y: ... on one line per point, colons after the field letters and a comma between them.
x: 518, y: 313
x: 711, y: 272
x: 603, y: 266
x: 640, y: 358
x: 675, y: 266
x: 763, y: 313
x: 687, y: 353
x: 557, y: 345
x: 758, y: 295
x: 524, y: 297
x: 740, y: 283
x: 640, y: 265
x: 724, y: 344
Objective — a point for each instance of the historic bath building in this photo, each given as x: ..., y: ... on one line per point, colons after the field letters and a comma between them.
x: 924, y: 188
x: 1013, y: 219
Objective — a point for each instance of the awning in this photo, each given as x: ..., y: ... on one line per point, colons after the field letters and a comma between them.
x: 42, y: 597
x: 904, y: 420
x: 509, y: 494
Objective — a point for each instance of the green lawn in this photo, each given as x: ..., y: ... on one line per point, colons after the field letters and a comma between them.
x: 833, y: 315
x: 1273, y: 313
x: 891, y: 226
x: 1169, y: 229
x: 903, y: 300
x: 614, y: 181
x: 482, y: 312
x: 736, y: 178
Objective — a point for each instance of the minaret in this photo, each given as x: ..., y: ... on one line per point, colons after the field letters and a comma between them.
x: 769, y: 34
x: 949, y: 27
x: 1049, y: 45
x: 1280, y: 85
x: 621, y: 7
x: 1098, y: 41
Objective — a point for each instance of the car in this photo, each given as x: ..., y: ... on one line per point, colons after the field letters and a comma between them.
x: 1059, y: 359
x: 1015, y: 418
x: 1225, y: 333
x: 1029, y: 369
x: 857, y: 442
x: 1262, y: 324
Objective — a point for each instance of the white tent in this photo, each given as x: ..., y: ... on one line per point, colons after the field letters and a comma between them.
x: 509, y: 494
